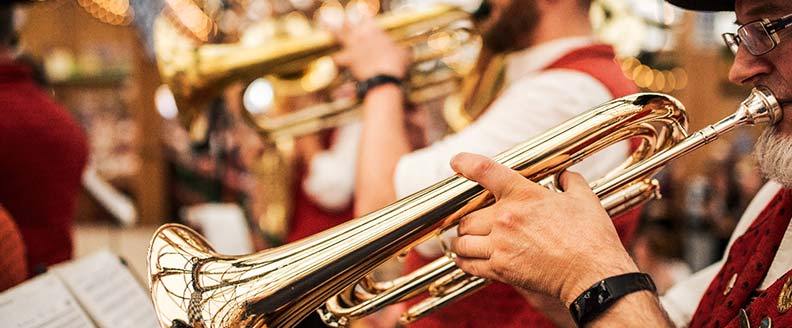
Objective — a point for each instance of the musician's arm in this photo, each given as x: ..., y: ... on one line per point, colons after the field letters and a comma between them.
x: 383, y: 141
x: 367, y: 52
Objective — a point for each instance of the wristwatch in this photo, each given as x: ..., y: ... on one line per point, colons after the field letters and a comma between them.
x: 603, y: 294
x: 363, y: 87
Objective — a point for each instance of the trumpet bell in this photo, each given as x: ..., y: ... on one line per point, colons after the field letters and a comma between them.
x: 192, y: 286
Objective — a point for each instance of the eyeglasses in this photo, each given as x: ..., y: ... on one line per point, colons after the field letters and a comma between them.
x: 758, y: 37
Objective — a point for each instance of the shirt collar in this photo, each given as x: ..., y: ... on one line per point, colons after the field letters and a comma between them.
x: 533, y: 59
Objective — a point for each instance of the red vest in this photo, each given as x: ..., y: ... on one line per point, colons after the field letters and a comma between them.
x: 749, y: 259
x: 309, y: 218
x: 499, y: 305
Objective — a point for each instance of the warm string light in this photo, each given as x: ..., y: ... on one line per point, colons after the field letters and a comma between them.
x: 651, y: 79
x: 190, y: 19
x: 330, y: 13
x: 114, y: 12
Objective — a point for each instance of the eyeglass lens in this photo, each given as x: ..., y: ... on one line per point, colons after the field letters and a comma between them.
x: 755, y: 38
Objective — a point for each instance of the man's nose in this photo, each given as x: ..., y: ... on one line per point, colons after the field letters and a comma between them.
x: 747, y: 67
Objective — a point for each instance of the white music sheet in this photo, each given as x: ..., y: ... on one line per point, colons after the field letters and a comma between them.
x: 108, y: 292
x: 42, y: 302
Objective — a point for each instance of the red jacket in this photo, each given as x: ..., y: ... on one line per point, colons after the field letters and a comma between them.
x: 42, y: 156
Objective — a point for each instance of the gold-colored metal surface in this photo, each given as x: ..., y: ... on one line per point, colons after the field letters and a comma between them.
x: 478, y: 90
x: 192, y: 286
x: 785, y: 297
x: 292, y: 63
x: 197, y: 72
x: 730, y: 285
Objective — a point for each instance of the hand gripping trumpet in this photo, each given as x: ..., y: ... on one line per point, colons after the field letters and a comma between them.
x: 192, y: 286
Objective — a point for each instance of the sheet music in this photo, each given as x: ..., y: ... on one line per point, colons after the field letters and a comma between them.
x: 118, y: 204
x: 108, y: 291
x: 42, y: 302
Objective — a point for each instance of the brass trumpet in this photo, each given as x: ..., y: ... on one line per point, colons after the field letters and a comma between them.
x: 192, y: 286
x: 196, y: 73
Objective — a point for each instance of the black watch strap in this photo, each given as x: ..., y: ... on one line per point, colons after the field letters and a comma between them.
x: 363, y: 87
x: 603, y: 294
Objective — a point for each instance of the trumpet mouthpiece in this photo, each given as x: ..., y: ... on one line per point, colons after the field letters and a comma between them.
x: 761, y: 107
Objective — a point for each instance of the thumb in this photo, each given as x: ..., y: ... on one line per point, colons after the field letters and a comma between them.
x: 498, y: 179
x: 341, y: 59
x: 573, y: 182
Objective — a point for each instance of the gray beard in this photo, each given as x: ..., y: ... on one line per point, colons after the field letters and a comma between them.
x: 773, y: 153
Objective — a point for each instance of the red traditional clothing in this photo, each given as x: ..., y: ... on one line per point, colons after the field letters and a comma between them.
x: 746, y: 266
x: 499, y: 305
x: 309, y: 218
x: 42, y: 156
x: 13, y: 267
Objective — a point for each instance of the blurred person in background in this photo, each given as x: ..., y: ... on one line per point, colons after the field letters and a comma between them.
x: 324, y: 176
x: 715, y: 201
x: 555, y: 69
x: 657, y: 250
x: 43, y: 152
x: 325, y: 180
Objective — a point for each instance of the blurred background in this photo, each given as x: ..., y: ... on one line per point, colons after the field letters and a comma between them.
x: 99, y: 59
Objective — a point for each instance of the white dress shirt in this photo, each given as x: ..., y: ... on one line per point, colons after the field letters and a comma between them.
x: 682, y: 300
x: 533, y: 100
x: 330, y: 180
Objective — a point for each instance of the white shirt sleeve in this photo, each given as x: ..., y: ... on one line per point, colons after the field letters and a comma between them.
x: 528, y: 107
x: 330, y: 181
x: 681, y: 301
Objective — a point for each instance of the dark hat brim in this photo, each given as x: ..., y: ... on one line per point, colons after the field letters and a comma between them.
x: 704, y: 5
x: 16, y: 2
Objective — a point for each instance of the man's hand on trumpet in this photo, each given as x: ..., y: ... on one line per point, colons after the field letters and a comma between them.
x: 524, y: 239
x: 554, y: 243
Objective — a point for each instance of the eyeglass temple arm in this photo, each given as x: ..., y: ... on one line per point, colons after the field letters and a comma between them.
x: 780, y: 24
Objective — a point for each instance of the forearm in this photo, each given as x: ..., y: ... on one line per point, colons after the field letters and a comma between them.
x: 383, y: 141
x: 640, y: 309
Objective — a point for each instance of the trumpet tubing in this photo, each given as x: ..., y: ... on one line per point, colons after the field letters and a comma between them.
x: 197, y: 73
x: 192, y: 286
